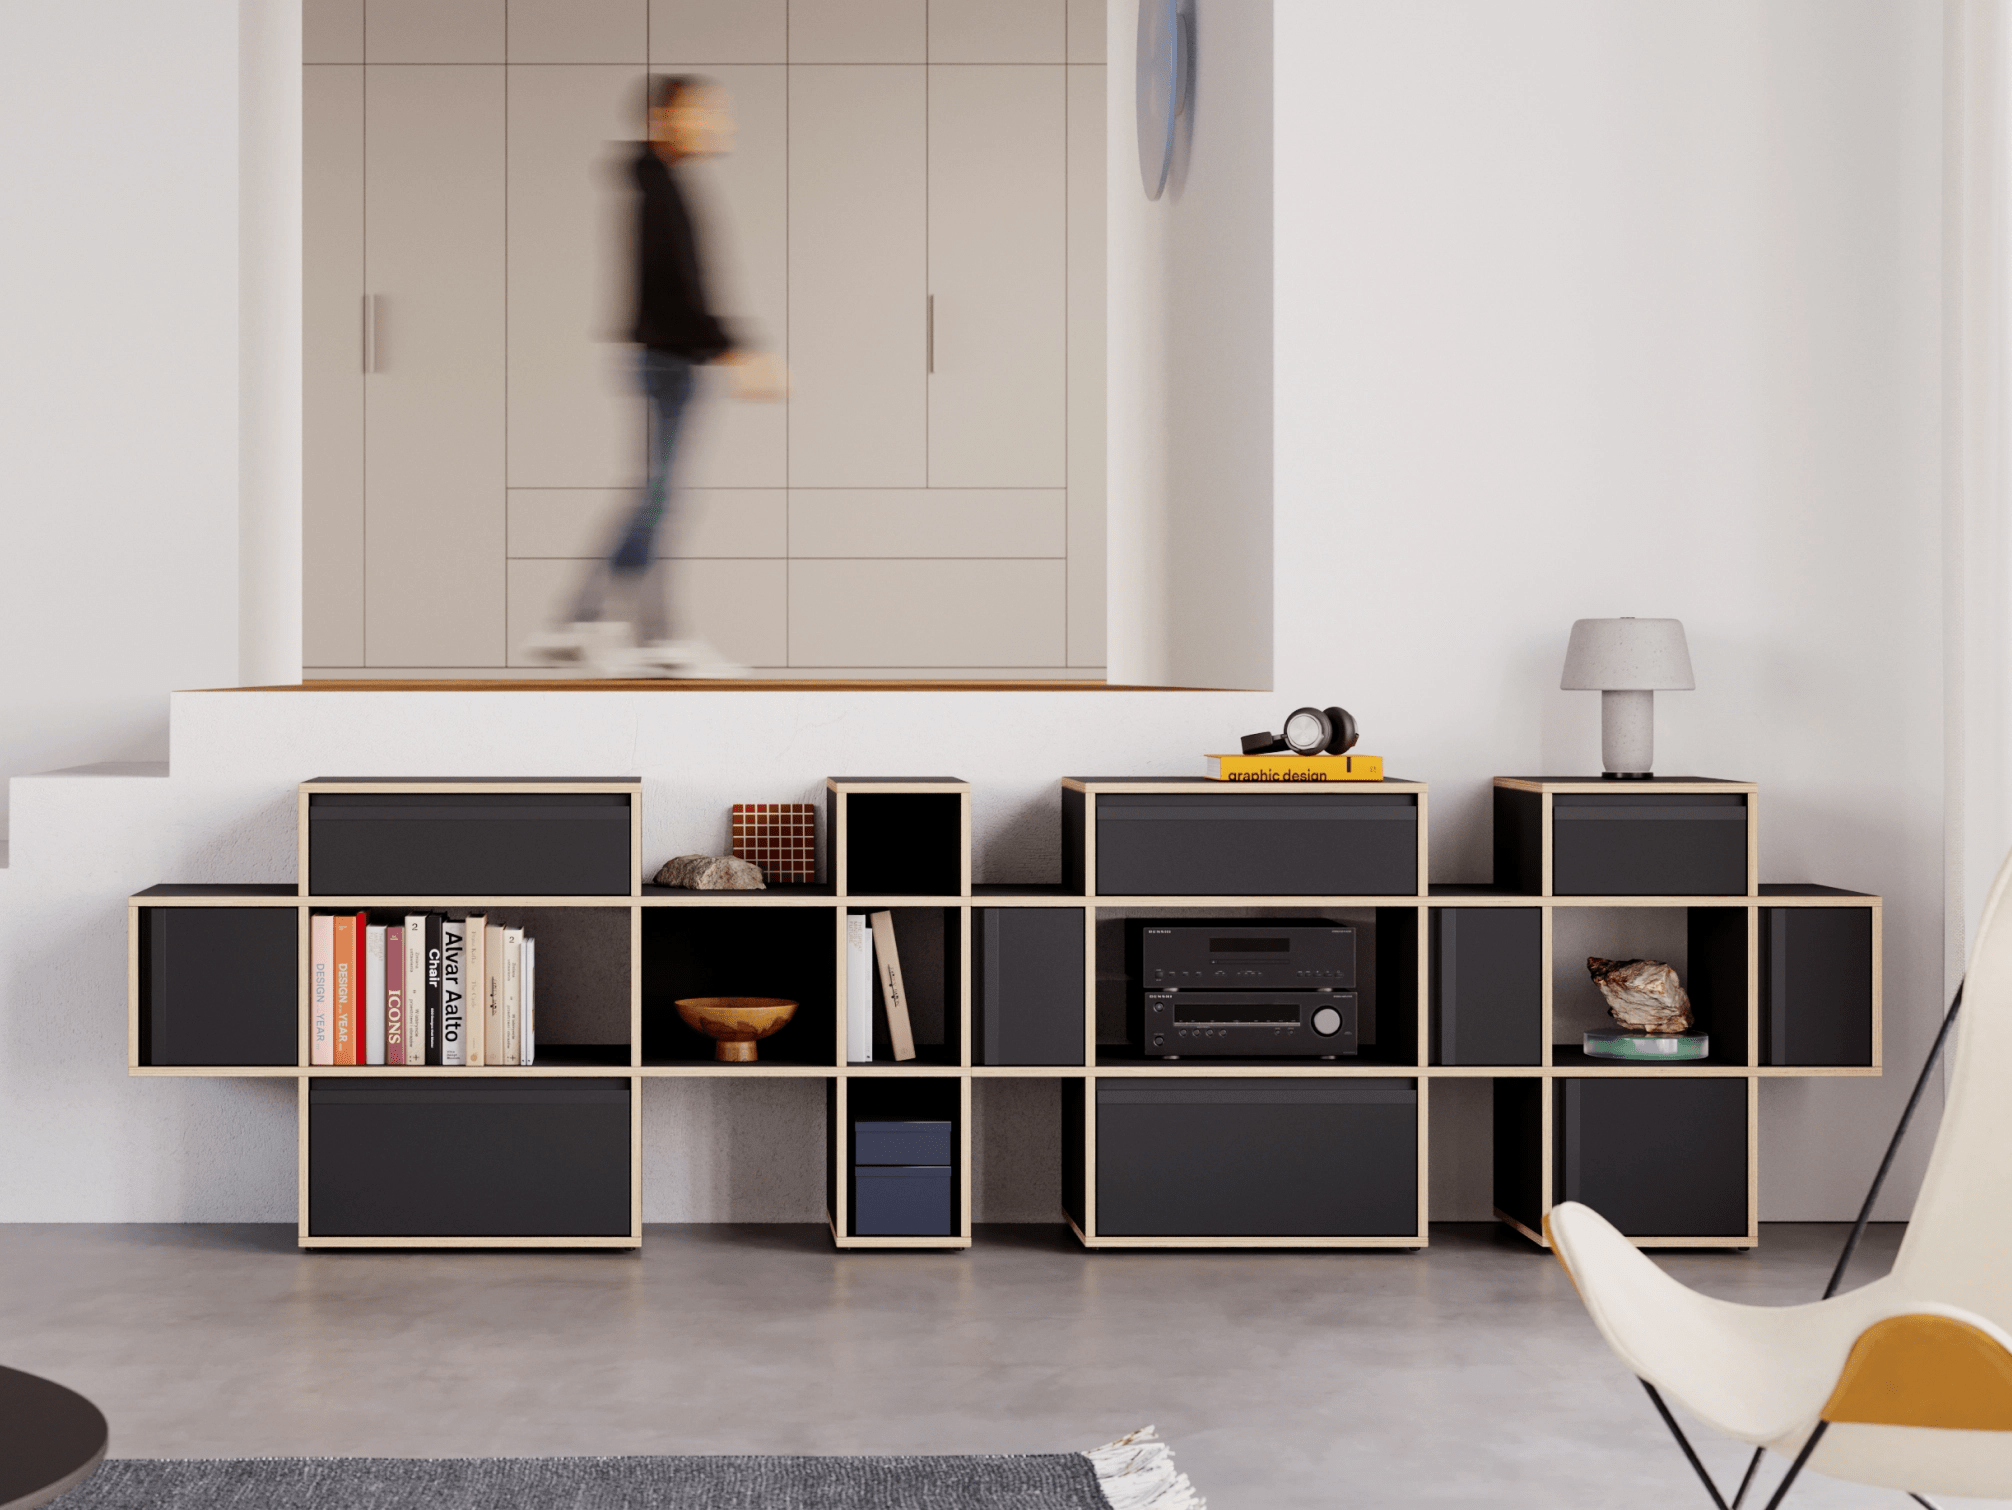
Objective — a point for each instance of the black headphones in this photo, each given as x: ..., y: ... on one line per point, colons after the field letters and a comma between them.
x: 1308, y: 731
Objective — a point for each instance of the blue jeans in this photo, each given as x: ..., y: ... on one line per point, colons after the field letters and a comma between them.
x: 667, y: 381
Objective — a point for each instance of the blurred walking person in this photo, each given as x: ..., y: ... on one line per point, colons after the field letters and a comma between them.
x: 620, y: 622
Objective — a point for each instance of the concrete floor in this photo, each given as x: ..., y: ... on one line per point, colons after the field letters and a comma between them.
x: 1465, y: 1375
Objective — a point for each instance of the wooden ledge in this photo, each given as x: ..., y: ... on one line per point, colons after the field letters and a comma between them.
x: 742, y: 684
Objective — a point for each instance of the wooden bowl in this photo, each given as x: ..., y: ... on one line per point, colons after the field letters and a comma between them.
x: 735, y: 1022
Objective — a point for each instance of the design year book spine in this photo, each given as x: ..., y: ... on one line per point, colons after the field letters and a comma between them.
x: 321, y: 990
x: 343, y: 973
x: 453, y: 996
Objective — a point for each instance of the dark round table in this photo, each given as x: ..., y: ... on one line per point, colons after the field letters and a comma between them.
x: 51, y: 1440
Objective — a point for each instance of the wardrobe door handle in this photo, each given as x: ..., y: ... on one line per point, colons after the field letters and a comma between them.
x: 370, y: 332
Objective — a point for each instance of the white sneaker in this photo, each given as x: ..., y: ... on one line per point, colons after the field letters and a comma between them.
x: 564, y: 646
x: 692, y: 659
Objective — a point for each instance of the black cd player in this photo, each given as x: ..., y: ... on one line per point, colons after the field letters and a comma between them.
x: 1298, y: 954
x: 1176, y: 1024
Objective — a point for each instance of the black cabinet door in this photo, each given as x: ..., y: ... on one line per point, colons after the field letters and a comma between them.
x: 1816, y: 985
x: 1669, y: 844
x: 555, y: 844
x: 1656, y: 1157
x: 481, y: 1157
x: 1240, y: 844
x: 1487, y: 985
x: 1257, y: 1158
x: 220, y: 985
x: 1027, y: 979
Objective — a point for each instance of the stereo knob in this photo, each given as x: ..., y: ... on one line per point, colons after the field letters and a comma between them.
x: 1327, y: 1022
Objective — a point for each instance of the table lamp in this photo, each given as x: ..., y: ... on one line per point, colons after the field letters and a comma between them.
x: 1627, y: 661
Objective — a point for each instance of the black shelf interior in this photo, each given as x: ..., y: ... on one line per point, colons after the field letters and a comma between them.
x: 595, y: 1055
x: 583, y: 971
x: 1386, y: 981
x: 928, y: 942
x: 898, y: 1099
x: 904, y: 844
x: 1707, y: 946
x: 740, y: 951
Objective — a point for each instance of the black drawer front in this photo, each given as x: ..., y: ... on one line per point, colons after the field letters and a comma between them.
x: 1656, y: 1157
x: 1816, y: 985
x: 1487, y: 985
x: 1257, y: 1158
x: 1678, y: 844
x: 1027, y: 980
x: 555, y: 844
x: 220, y: 985
x: 1311, y: 844
x: 483, y: 1157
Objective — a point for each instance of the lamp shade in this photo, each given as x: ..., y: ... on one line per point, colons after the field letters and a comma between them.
x: 1627, y: 655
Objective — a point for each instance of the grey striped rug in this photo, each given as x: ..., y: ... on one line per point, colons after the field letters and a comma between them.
x: 1054, y: 1481
x: 1135, y: 1473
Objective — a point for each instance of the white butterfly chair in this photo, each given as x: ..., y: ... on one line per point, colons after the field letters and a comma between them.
x: 1905, y: 1383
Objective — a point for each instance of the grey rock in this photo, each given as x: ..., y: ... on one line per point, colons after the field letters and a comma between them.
x: 711, y: 873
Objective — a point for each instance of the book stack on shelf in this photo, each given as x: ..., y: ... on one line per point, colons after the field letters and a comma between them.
x: 429, y: 989
x: 872, y: 957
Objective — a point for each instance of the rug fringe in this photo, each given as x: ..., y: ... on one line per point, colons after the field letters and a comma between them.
x: 1137, y: 1472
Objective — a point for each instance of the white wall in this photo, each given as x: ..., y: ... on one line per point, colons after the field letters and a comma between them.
x: 118, y: 395
x: 1588, y: 309
x: 1581, y: 309
x: 1190, y: 344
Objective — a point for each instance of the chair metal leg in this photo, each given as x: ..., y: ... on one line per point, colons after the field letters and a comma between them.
x: 1690, y: 1454
x: 1795, y: 1468
x: 1746, y: 1480
x: 1892, y: 1148
x: 1919, y: 1500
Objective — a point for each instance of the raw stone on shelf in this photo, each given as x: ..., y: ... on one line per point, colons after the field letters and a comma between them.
x: 1643, y: 995
x: 711, y: 873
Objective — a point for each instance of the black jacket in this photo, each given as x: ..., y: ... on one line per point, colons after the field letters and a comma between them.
x: 671, y: 312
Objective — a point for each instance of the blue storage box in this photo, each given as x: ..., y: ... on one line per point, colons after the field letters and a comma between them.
x: 902, y: 1201
x: 904, y: 1142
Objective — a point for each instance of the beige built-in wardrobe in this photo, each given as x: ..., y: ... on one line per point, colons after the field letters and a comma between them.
x: 913, y: 216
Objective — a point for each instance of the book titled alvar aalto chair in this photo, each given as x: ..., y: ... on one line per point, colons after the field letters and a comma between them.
x: 1904, y: 1383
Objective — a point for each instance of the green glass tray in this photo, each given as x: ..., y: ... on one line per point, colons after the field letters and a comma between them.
x: 1649, y: 1048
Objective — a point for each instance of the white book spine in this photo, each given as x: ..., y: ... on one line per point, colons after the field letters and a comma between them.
x: 320, y: 991
x: 492, y: 995
x: 415, y: 988
x: 474, y: 976
x: 373, y: 994
x: 453, y: 983
x: 858, y: 990
x: 513, y: 985
x: 530, y: 1000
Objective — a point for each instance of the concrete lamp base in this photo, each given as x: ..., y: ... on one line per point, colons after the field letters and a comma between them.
x: 1628, y: 734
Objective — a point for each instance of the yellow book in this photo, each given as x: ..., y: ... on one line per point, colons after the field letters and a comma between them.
x: 1289, y: 767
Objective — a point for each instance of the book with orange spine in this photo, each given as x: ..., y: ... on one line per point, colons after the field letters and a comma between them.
x: 344, y: 956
